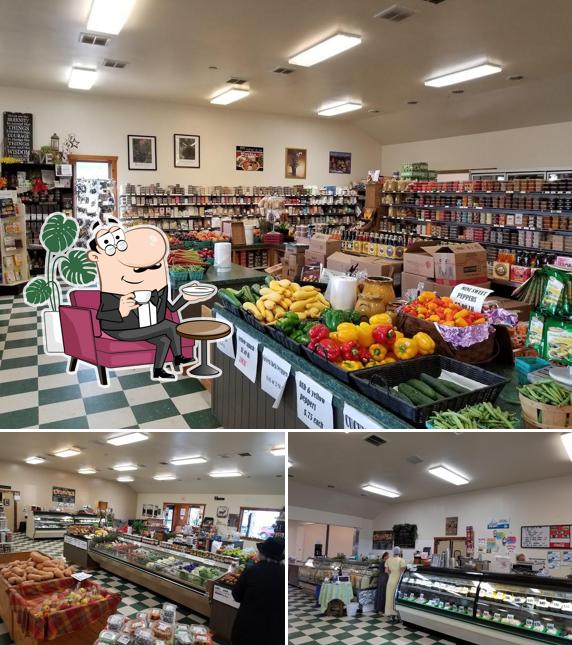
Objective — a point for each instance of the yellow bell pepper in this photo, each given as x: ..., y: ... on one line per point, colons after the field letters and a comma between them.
x: 461, y: 322
x: 388, y: 360
x: 426, y: 296
x: 461, y: 314
x: 424, y: 342
x: 380, y: 319
x: 378, y: 352
x: 365, y: 334
x: 350, y: 366
x: 333, y: 335
x: 406, y: 348
x: 347, y: 331
x: 398, y: 335
x: 434, y: 318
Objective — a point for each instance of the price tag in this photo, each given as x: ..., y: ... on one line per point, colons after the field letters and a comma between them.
x: 470, y: 296
x: 356, y: 420
x: 80, y: 576
x: 246, y: 360
x: 275, y: 373
x: 226, y: 345
x: 314, y: 403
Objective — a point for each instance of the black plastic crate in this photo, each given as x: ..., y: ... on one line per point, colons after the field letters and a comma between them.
x: 284, y: 340
x: 251, y: 320
x: 227, y: 304
x: 331, y: 368
x: 377, y: 383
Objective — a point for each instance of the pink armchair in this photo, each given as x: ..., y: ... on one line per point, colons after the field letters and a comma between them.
x: 85, y: 341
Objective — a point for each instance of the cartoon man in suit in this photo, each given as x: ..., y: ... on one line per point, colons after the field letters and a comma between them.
x: 133, y: 278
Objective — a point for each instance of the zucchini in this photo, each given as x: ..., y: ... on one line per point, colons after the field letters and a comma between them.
x: 247, y: 295
x: 438, y: 385
x: 268, y: 280
x: 416, y: 397
x: 228, y: 295
x: 453, y: 386
x: 429, y: 392
x: 255, y: 288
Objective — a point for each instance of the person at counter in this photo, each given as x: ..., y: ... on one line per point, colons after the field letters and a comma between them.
x: 394, y: 567
x: 381, y: 585
x: 260, y: 592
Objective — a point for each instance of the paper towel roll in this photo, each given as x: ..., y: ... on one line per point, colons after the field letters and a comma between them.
x: 222, y: 255
x: 249, y: 233
x: 343, y: 292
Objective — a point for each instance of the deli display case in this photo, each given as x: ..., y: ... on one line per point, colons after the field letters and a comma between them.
x: 487, y: 608
x: 47, y: 524
x: 181, y: 577
x: 362, y: 575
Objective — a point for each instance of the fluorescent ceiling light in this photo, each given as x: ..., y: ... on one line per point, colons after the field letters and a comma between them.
x: 448, y: 475
x: 188, y: 461
x: 567, y: 441
x: 341, y: 108
x: 278, y: 451
x: 230, y: 96
x: 68, y: 452
x: 164, y: 478
x: 225, y: 473
x: 124, y: 467
x: 464, y: 75
x: 82, y: 78
x: 378, y: 490
x: 87, y: 471
x: 124, y: 439
x: 126, y: 478
x: 35, y: 460
x: 326, y: 49
x: 109, y: 16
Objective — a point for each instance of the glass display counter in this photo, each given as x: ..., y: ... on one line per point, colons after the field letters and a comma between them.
x: 47, y: 524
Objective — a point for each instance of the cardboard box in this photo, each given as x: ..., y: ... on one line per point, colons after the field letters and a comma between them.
x: 321, y: 243
x: 373, y: 195
x: 410, y: 281
x: 312, y: 257
x: 419, y: 258
x: 374, y: 267
x: 461, y: 264
x: 235, y: 230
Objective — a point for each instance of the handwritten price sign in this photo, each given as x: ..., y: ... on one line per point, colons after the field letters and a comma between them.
x: 246, y: 360
x: 275, y: 373
x: 314, y: 403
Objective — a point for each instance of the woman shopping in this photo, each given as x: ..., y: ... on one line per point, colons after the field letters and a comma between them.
x: 381, y: 585
x: 260, y: 591
x: 394, y: 567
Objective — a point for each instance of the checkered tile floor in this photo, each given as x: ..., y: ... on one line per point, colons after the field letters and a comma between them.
x: 307, y: 627
x: 133, y: 599
x: 37, y: 392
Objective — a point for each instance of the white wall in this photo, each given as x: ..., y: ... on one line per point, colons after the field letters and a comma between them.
x: 542, y: 146
x: 102, y: 125
x: 35, y: 485
x: 532, y: 503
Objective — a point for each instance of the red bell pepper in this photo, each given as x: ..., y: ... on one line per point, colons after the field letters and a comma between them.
x: 329, y: 349
x: 318, y: 332
x: 364, y: 355
x: 351, y: 350
x: 384, y: 334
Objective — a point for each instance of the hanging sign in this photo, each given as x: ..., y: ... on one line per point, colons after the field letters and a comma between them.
x: 246, y: 360
x: 470, y: 296
x: 18, y: 135
x: 314, y: 403
x: 63, y: 495
x: 225, y: 345
x: 356, y: 420
x: 275, y: 373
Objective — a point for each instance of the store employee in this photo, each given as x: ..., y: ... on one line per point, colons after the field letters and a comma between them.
x: 133, y: 278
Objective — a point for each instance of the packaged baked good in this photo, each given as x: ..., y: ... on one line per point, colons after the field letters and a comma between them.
x: 115, y: 622
x: 124, y: 639
x: 144, y: 637
x: 162, y: 630
x: 154, y: 614
x: 169, y: 612
x: 183, y: 638
x: 107, y: 637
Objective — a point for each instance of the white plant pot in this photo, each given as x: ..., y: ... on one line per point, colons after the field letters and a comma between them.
x: 53, y: 340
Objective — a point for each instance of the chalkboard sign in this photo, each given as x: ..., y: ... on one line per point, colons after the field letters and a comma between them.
x: 554, y: 536
x: 63, y: 495
x: 18, y: 135
x: 404, y: 535
x: 382, y: 540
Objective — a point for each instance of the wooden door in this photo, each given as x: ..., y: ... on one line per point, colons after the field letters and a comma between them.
x: 10, y: 509
x: 442, y: 545
x: 450, y: 545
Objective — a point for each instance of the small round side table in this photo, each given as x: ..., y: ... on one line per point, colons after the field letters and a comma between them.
x: 204, y: 330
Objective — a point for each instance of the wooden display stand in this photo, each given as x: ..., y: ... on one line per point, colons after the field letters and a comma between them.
x: 88, y: 634
x: 5, y: 611
x: 9, y: 255
x: 223, y: 611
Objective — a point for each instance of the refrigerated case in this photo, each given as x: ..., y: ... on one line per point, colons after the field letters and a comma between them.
x: 363, y: 575
x: 47, y: 524
x: 181, y: 577
x: 487, y: 608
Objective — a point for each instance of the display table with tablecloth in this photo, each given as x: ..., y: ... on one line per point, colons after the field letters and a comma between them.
x: 335, y: 591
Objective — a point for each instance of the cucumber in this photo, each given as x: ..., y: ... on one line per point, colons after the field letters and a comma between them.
x: 453, y: 386
x: 247, y: 295
x: 255, y: 288
x: 400, y: 395
x: 228, y: 295
x: 438, y: 385
x: 429, y: 392
x: 416, y: 397
x: 268, y: 280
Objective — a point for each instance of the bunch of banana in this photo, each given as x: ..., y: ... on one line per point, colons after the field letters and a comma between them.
x: 281, y: 296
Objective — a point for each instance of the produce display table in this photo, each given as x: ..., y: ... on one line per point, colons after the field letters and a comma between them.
x: 239, y: 403
x: 223, y: 611
x: 5, y: 611
x: 335, y: 591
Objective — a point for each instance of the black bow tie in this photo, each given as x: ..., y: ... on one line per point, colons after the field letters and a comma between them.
x: 155, y: 297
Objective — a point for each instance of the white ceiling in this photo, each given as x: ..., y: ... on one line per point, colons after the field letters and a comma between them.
x: 170, y: 44
x: 346, y: 461
x: 263, y: 472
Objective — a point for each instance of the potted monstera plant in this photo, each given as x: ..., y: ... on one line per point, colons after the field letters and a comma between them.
x: 64, y: 264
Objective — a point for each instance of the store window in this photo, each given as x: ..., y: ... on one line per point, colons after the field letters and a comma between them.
x: 258, y: 523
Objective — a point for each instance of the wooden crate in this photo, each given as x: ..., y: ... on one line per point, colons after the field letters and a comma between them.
x: 5, y: 612
x: 88, y: 634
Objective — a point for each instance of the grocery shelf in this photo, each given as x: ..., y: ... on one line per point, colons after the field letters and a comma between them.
x: 483, y: 209
x: 477, y: 192
x: 411, y: 220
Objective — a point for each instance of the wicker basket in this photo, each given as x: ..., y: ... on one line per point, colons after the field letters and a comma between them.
x: 542, y: 415
x: 483, y: 352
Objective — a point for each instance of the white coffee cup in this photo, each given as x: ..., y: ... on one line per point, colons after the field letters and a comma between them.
x: 142, y: 296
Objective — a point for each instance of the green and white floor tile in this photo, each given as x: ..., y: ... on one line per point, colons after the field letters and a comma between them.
x: 37, y: 392
x: 306, y: 626
x: 133, y: 598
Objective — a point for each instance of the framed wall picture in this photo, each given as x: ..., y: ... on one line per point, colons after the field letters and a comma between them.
x: 187, y: 150
x: 249, y: 158
x: 382, y: 540
x: 62, y: 495
x: 451, y: 525
x: 296, y: 163
x: 142, y: 152
x: 340, y: 163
